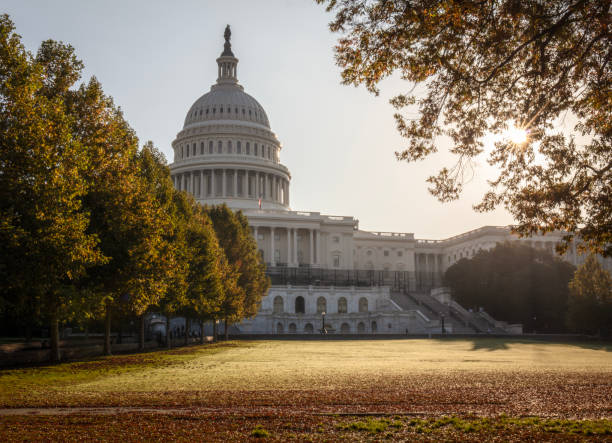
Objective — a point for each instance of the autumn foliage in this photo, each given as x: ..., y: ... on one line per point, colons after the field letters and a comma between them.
x: 91, y: 226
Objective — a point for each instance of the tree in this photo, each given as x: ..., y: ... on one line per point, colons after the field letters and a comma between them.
x: 515, y: 283
x: 45, y: 244
x: 209, y: 278
x: 590, y: 301
x: 489, y: 65
x: 246, y: 280
x: 175, y: 299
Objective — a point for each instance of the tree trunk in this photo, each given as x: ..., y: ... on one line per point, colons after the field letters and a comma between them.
x: 107, y: 330
x: 226, y: 331
x: 201, y: 331
x: 54, y: 337
x: 168, y: 331
x: 215, y: 330
x: 141, y: 333
x: 187, y: 327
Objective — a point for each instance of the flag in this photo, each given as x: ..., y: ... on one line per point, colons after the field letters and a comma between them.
x: 259, y: 203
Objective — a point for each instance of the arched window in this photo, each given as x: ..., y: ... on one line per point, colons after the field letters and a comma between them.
x: 202, y: 148
x: 363, y: 304
x: 248, y: 147
x: 345, y: 328
x: 229, y: 147
x: 194, y: 148
x: 187, y: 150
x: 255, y: 149
x: 292, y: 328
x: 210, y: 147
x: 342, y: 308
x: 299, y: 305
x: 308, y: 328
x: 374, y: 327
x: 219, y: 147
x: 238, y: 145
x: 321, y: 305
x: 361, y: 327
x: 278, y: 305
x: 279, y: 328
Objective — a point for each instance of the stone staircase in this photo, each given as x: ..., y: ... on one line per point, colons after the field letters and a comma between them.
x: 459, y: 319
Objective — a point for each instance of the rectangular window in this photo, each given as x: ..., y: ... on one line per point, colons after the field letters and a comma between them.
x: 400, y: 253
x: 260, y: 236
x: 276, y: 236
x: 336, y: 239
x: 336, y: 261
x: 386, y: 253
x: 277, y: 255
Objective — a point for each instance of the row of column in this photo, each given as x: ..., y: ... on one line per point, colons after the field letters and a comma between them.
x: 234, y: 183
x: 291, y: 237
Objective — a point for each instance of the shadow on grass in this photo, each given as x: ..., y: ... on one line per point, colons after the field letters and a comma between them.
x: 503, y: 343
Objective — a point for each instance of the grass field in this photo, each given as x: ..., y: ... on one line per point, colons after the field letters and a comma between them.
x: 451, y: 389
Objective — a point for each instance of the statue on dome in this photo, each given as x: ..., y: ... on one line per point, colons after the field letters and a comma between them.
x: 227, y: 47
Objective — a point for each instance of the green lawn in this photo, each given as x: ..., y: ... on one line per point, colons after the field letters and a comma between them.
x: 476, y: 379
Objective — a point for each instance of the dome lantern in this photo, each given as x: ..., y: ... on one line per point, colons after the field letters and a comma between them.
x: 227, y: 63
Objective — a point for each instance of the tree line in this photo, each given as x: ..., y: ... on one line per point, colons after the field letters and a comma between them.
x: 90, y: 224
x: 520, y: 284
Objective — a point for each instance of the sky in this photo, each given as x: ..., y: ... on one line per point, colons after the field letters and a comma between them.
x: 155, y: 58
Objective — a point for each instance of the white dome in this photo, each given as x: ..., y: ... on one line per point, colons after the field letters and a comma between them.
x: 226, y: 151
x: 226, y: 102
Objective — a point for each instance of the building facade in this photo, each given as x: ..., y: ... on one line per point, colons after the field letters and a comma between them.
x: 227, y: 153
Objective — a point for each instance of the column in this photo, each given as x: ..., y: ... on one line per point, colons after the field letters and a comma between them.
x: 287, y: 193
x: 212, y: 183
x: 255, y: 233
x: 224, y: 185
x: 202, y: 195
x: 272, y: 258
x: 295, y: 247
x: 235, y: 183
x: 311, y: 255
x: 318, y: 246
x: 288, y: 247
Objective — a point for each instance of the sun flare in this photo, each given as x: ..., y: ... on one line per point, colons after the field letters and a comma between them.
x: 516, y: 135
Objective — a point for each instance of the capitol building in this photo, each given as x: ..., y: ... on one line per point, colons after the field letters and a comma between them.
x: 324, y: 269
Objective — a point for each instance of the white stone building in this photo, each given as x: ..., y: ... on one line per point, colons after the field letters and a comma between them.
x: 365, y: 282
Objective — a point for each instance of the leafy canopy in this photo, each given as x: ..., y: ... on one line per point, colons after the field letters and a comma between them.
x: 590, y: 302
x: 489, y: 65
x: 515, y: 283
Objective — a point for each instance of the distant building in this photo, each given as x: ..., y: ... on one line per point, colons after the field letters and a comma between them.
x: 227, y: 153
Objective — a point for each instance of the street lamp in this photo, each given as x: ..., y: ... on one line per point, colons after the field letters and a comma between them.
x: 323, y: 331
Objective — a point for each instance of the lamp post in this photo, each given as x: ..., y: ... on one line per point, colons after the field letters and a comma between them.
x: 323, y: 331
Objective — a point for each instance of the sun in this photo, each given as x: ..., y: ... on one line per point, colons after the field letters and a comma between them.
x: 516, y: 135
